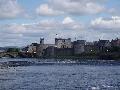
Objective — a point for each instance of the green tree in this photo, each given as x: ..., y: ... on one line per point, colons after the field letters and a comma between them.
x: 13, y: 50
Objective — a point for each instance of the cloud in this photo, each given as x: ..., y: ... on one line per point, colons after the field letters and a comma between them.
x: 111, y: 24
x: 113, y: 11
x: 22, y: 33
x: 10, y: 9
x: 78, y: 7
x: 75, y: 7
x: 68, y: 20
x: 67, y: 24
x: 45, y: 10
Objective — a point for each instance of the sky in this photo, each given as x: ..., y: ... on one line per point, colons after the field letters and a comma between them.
x: 23, y: 22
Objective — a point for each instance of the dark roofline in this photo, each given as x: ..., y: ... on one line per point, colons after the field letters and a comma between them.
x: 62, y: 39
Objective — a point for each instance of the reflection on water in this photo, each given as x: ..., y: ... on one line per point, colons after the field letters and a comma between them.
x: 60, y: 77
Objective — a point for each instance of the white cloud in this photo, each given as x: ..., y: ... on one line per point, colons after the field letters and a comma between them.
x: 69, y: 23
x: 9, y: 9
x: 107, y: 24
x: 113, y: 11
x: 79, y: 7
x: 67, y: 20
x: 23, y: 33
x: 75, y: 7
x: 44, y: 9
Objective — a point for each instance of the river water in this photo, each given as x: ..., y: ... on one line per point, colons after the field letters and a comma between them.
x: 59, y: 77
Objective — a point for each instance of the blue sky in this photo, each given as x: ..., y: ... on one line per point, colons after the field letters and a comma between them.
x: 25, y: 21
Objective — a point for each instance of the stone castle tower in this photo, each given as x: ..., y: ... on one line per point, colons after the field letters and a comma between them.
x: 41, y: 40
x: 63, y: 43
x: 79, y: 46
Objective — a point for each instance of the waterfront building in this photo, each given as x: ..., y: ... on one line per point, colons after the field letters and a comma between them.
x: 115, y: 42
x: 91, y: 49
x: 62, y: 47
x: 63, y: 43
x: 32, y: 48
x: 103, y: 44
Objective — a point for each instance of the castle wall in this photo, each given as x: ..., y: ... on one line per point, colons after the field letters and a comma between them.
x: 79, y: 46
x: 78, y: 49
x: 50, y: 51
x: 41, y: 49
x: 63, y: 52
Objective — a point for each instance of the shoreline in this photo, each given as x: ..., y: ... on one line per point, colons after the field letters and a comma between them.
x: 66, y: 57
x: 39, y: 62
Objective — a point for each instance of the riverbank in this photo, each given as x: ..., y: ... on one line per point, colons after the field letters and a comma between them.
x: 85, y: 56
x: 88, y: 56
x: 39, y: 62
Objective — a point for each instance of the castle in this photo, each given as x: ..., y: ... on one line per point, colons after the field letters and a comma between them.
x: 65, y: 47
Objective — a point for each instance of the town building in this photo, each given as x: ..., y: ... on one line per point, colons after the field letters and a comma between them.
x: 115, y: 42
x: 103, y: 45
x: 32, y: 48
x: 91, y: 49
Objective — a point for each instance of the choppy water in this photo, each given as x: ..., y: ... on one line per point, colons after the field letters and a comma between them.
x: 60, y: 77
